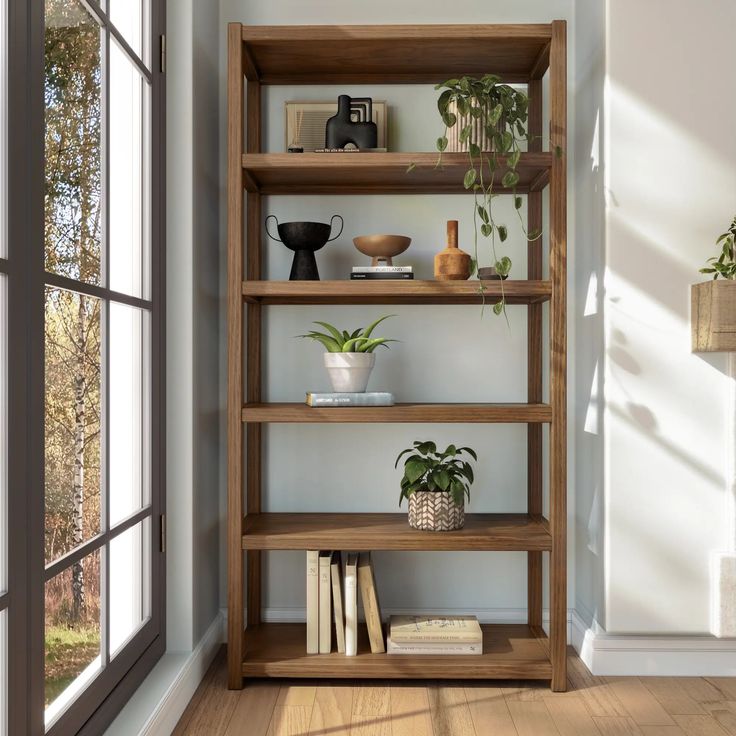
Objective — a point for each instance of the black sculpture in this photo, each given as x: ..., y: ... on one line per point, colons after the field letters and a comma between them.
x: 341, y: 129
x: 304, y: 238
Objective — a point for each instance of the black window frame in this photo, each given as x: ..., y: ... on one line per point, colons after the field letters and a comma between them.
x: 105, y: 695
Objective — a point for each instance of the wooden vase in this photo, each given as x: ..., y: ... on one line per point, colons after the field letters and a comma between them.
x: 452, y: 264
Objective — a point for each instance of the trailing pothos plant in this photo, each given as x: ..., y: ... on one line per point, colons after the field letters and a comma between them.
x: 724, y: 264
x: 503, y: 113
x: 428, y: 470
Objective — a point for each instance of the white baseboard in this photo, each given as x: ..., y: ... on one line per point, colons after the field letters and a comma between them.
x: 647, y: 655
x: 157, y: 706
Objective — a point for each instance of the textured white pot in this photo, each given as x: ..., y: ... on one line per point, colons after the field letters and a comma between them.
x: 349, y: 372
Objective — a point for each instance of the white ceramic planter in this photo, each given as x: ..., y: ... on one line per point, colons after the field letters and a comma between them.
x: 349, y: 372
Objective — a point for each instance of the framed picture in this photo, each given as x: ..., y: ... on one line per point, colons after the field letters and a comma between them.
x: 311, y: 119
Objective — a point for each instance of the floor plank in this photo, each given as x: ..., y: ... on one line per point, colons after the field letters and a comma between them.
x: 489, y: 711
x: 662, y: 731
x: 532, y: 718
x: 640, y: 704
x: 571, y: 717
x: 254, y: 709
x: 672, y: 696
x: 216, y: 707
x: 700, y: 689
x: 332, y: 710
x: 700, y: 725
x: 617, y: 726
x: 725, y: 713
x: 595, y: 691
x: 290, y: 720
x: 370, y: 726
x: 449, y: 711
x: 727, y: 685
x: 301, y: 695
x: 372, y: 700
x: 410, y: 711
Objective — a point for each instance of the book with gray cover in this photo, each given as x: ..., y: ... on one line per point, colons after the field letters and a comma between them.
x: 367, y: 398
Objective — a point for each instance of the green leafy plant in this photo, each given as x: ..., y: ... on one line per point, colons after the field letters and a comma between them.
x: 358, y: 341
x: 724, y: 265
x: 428, y: 470
x: 503, y: 112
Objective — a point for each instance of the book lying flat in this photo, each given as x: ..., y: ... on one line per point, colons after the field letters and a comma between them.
x: 367, y: 398
x: 378, y: 276
x: 383, y: 269
x: 435, y: 649
x: 430, y: 629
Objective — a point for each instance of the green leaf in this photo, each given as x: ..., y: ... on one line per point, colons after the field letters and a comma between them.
x: 510, y: 179
x: 449, y: 119
x: 332, y: 330
x: 486, y: 230
x: 470, y: 177
x: 442, y: 143
x: 372, y: 326
x: 451, y: 451
x: 426, y: 448
x: 414, y: 470
x: 474, y: 150
x: 329, y: 343
x: 503, y: 266
x: 495, y: 115
x: 514, y: 158
x: 517, y: 203
x: 465, y: 133
x: 441, y: 478
x: 482, y: 212
x: 470, y: 452
x: 401, y: 454
x: 443, y: 101
x: 502, y: 232
x: 507, y: 140
x: 498, y: 308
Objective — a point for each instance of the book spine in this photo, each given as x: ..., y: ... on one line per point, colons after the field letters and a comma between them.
x: 351, y: 607
x: 383, y: 269
x: 379, y: 276
x: 350, y: 400
x: 312, y: 601
x: 371, y: 607
x: 458, y: 649
x: 325, y: 604
x: 338, y: 604
x: 430, y: 638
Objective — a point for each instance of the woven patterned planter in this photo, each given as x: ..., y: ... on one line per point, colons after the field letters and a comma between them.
x: 435, y: 512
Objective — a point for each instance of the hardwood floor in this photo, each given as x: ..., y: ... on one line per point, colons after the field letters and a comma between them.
x: 593, y: 706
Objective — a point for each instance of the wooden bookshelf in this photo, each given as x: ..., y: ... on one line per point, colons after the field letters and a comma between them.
x: 365, y: 532
x: 263, y: 55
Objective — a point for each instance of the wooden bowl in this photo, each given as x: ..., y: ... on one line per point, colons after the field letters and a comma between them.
x: 381, y: 248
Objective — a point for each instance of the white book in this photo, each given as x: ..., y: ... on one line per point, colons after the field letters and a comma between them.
x: 383, y: 269
x: 351, y: 605
x: 338, y: 603
x: 433, y: 649
x: 312, y: 601
x: 325, y: 604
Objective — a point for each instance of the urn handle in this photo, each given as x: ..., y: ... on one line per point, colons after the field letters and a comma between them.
x: 278, y: 240
x: 342, y: 224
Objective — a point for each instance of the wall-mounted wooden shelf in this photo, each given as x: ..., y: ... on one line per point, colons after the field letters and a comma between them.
x: 509, y: 651
x: 423, y: 54
x: 377, y: 173
x: 399, y: 413
x: 365, y: 532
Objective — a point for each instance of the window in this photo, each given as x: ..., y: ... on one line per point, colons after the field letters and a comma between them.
x: 81, y: 609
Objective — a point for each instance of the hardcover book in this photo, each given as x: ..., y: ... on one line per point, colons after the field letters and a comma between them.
x: 337, y: 601
x: 430, y: 629
x: 367, y: 398
x: 325, y: 604
x: 371, y: 607
x: 351, y: 605
x: 383, y: 269
x: 434, y: 649
x: 378, y: 276
x: 312, y: 601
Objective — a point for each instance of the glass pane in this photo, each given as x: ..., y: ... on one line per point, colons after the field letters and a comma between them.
x: 128, y: 184
x: 72, y: 427
x: 130, y: 583
x: 73, y: 231
x: 72, y: 632
x: 3, y: 434
x: 129, y: 433
x: 129, y: 17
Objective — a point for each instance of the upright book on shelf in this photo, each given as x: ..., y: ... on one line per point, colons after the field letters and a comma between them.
x: 312, y: 601
x: 325, y: 603
x: 371, y: 607
x: 351, y: 605
x: 338, y: 604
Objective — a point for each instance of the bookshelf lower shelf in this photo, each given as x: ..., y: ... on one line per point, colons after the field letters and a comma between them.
x: 510, y: 651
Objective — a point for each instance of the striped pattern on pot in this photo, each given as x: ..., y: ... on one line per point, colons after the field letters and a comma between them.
x: 435, y: 511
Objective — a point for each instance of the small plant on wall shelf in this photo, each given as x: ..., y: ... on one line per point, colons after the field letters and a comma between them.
x: 436, y: 485
x: 724, y: 264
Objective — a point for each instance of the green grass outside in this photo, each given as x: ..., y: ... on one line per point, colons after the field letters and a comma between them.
x: 68, y: 652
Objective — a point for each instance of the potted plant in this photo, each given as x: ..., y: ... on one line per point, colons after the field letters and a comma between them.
x: 436, y: 484
x: 350, y: 356
x: 714, y: 302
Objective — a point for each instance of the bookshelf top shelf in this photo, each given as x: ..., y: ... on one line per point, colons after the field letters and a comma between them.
x: 392, y: 54
x: 378, y: 173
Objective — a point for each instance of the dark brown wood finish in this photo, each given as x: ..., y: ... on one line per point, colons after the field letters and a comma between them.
x: 558, y: 356
x: 396, y: 292
x: 534, y: 361
x: 444, y: 413
x: 509, y: 651
x: 375, y: 173
x: 365, y: 532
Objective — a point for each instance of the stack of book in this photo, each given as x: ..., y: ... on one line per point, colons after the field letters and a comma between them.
x: 434, y: 635
x: 366, y: 398
x: 382, y: 272
x: 332, y: 596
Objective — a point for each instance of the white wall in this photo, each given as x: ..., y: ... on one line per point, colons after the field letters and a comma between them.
x: 446, y: 354
x: 670, y: 190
